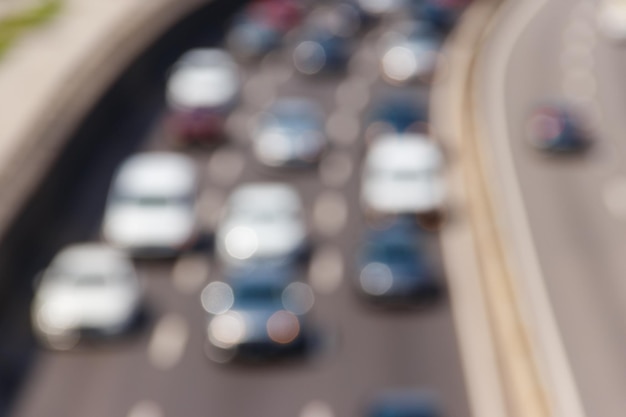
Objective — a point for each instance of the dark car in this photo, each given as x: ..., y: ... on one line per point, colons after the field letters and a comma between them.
x: 399, y: 112
x: 557, y: 128
x: 394, y: 266
x: 261, y: 26
x: 257, y: 314
x: 443, y: 14
x: 404, y: 403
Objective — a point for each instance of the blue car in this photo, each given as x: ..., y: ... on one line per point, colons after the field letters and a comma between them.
x: 257, y: 313
x: 400, y: 113
x: 320, y: 50
x: 394, y: 268
x: 404, y: 402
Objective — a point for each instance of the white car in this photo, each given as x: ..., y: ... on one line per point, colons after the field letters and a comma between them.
x: 151, y: 205
x: 87, y: 289
x: 402, y: 175
x: 612, y: 19
x: 203, y: 87
x: 261, y: 221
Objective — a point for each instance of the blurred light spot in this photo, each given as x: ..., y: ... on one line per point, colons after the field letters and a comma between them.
x: 217, y: 297
x: 283, y: 327
x: 227, y: 330
x: 326, y: 270
x: 309, y: 57
x: 225, y: 166
x: 241, y: 242
x: 335, y: 169
x: 209, y: 207
x: 317, y: 408
x: 298, y: 298
x: 343, y: 127
x: 145, y: 409
x: 353, y: 93
x: 168, y: 341
x: 376, y: 278
x: 399, y: 63
x: 190, y: 272
x: 330, y: 212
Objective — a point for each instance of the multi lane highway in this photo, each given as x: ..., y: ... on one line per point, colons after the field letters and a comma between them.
x: 162, y: 371
x: 566, y: 215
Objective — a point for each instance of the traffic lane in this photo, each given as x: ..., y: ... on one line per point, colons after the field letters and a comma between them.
x: 578, y: 245
x: 407, y: 349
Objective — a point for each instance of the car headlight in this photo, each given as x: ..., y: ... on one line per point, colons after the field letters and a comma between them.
x: 227, y: 330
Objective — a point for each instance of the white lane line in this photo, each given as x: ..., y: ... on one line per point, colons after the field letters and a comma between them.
x: 209, y: 207
x: 330, y: 213
x: 168, y: 341
x: 326, y: 270
x: 259, y: 91
x: 225, y: 166
x: 353, y: 93
x: 317, y: 408
x: 336, y: 169
x: 145, y: 409
x: 343, y: 127
x: 190, y: 272
x: 554, y: 361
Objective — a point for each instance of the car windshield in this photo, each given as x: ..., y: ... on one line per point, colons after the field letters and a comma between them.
x: 251, y: 295
x: 393, y: 253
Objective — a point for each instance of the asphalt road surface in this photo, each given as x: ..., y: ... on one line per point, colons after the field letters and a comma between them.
x: 574, y: 207
x: 162, y: 371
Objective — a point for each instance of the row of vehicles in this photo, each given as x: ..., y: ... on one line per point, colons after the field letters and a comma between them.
x: 259, y: 308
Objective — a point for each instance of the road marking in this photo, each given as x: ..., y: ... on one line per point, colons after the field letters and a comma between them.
x: 145, y: 409
x: 168, y: 341
x: 335, y: 169
x: 343, y: 127
x: 554, y: 361
x: 330, y: 212
x: 209, y: 207
x: 317, y: 408
x: 353, y: 93
x: 326, y: 270
x: 225, y: 166
x: 190, y: 272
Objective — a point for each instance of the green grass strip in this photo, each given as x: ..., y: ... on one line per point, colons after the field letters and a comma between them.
x: 12, y: 27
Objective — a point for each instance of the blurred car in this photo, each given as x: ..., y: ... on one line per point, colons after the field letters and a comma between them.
x: 323, y: 46
x: 291, y: 133
x: 404, y: 402
x: 261, y: 221
x: 442, y: 14
x: 261, y: 26
x: 202, y: 89
x: 378, y: 8
x: 409, y: 52
x: 557, y: 128
x: 399, y: 112
x: 402, y: 175
x: 88, y: 290
x: 258, y: 313
x: 611, y: 17
x: 394, y: 268
x: 150, y: 209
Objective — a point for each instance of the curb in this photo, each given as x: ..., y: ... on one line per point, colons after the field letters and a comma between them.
x: 34, y: 131
x: 501, y: 367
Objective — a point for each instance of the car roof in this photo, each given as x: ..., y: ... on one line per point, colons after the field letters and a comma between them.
x: 402, y: 151
x: 265, y: 195
x: 89, y: 257
x: 203, y: 77
x: 156, y: 173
